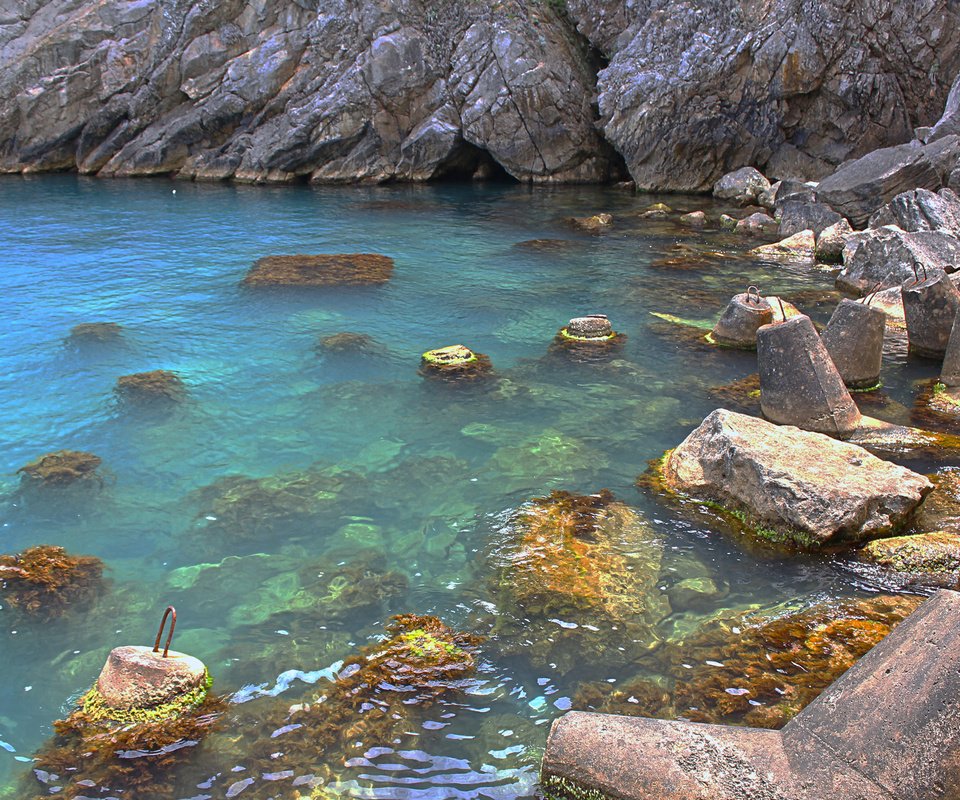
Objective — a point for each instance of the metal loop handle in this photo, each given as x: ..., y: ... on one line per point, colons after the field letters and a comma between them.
x: 783, y: 314
x: 173, y: 624
x: 867, y: 299
x: 753, y: 291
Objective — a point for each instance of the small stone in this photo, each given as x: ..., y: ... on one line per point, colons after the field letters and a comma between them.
x: 799, y: 248
x: 727, y: 222
x: 695, y: 219
x: 758, y: 223
x: 594, y: 224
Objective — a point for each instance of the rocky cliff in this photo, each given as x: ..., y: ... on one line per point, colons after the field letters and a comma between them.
x: 675, y: 92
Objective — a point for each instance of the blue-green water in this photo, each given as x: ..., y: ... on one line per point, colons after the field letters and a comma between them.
x: 433, y: 468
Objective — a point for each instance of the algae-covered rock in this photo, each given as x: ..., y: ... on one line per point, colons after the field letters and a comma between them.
x: 576, y: 575
x: 588, y: 338
x: 95, y: 332
x: 928, y: 558
x: 61, y: 468
x: 341, y: 269
x: 799, y: 248
x: 45, y: 582
x: 455, y: 363
x: 757, y: 669
x: 158, y: 385
x: 594, y: 224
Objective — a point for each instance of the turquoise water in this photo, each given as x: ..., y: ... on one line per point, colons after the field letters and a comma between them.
x: 433, y: 470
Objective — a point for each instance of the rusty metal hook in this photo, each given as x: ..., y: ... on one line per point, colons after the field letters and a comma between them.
x: 753, y: 291
x: 924, y: 268
x: 783, y: 314
x: 867, y: 299
x: 173, y: 624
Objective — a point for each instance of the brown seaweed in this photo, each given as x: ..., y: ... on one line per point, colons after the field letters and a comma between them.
x: 341, y: 269
x: 153, y: 386
x: 45, y: 582
x: 62, y: 467
x: 96, y: 332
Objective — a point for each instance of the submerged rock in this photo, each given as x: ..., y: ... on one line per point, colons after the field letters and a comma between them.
x: 45, y: 582
x: 547, y: 245
x: 758, y: 669
x: 594, y: 224
x: 159, y: 385
x: 455, y: 363
x: 799, y: 248
x: 342, y: 269
x: 346, y: 342
x: 62, y: 468
x: 96, y: 332
x: 792, y: 485
x: 925, y: 558
x: 576, y: 575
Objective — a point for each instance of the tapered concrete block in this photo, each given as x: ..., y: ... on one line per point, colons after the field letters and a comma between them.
x: 854, y: 340
x: 738, y: 324
x: 950, y: 372
x: 888, y: 729
x: 799, y: 384
x: 930, y: 307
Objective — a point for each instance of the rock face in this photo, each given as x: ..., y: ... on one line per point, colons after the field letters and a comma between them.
x: 921, y: 210
x: 806, y: 486
x: 949, y: 123
x: 350, y: 91
x: 797, y: 215
x: 859, y: 188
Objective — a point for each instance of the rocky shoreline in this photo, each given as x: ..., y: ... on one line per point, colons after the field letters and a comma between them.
x: 666, y: 93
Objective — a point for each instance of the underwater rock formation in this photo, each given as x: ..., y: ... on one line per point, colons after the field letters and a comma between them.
x: 156, y: 386
x: 45, y: 582
x: 455, y: 363
x: 62, y: 468
x: 758, y: 669
x: 346, y: 342
x: 931, y: 559
x: 576, y: 575
x: 341, y: 269
x: 95, y: 332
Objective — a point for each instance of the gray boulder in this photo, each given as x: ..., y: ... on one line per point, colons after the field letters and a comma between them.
x: 949, y: 123
x: 798, y: 215
x: 889, y: 256
x: 758, y: 223
x: 743, y: 186
x: 921, y: 210
x: 859, y: 188
x: 831, y: 242
x: 804, y: 486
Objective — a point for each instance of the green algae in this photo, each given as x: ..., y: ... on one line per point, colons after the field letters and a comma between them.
x: 97, y: 712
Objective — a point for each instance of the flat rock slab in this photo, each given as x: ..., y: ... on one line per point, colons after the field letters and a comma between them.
x: 805, y: 486
x: 860, y: 740
x: 342, y: 269
x: 138, y: 677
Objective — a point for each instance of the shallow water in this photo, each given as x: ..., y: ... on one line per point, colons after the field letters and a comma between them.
x: 434, y: 470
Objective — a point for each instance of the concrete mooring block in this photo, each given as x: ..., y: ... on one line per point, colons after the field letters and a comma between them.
x: 888, y: 729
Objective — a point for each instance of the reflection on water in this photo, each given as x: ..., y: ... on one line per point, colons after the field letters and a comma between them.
x: 305, y: 483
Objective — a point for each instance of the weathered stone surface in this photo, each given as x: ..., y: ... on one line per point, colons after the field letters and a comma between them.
x: 744, y: 314
x: 695, y: 219
x: 950, y: 371
x: 592, y: 224
x: 768, y: 198
x: 743, y: 186
x: 806, y: 486
x: 889, y: 256
x: 831, y: 241
x: 921, y: 210
x: 796, y: 216
x: 859, y: 188
x: 949, y: 123
x: 800, y: 247
x: 860, y: 740
x: 794, y: 87
x: 854, y: 339
x: 930, y: 307
x: 593, y: 326
x: 756, y: 223
x: 137, y: 677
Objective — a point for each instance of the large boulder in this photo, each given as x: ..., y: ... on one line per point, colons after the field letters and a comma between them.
x: 889, y: 256
x: 949, y: 123
x: 793, y: 484
x: 921, y: 210
x: 861, y: 187
x: 743, y: 186
x: 797, y: 215
x: 831, y: 241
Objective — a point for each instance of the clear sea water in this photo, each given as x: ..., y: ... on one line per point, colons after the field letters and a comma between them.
x: 440, y: 466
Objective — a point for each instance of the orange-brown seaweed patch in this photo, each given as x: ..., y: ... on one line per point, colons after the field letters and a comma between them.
x: 61, y: 468
x: 547, y: 245
x: 340, y: 269
x: 96, y: 332
x: 758, y: 671
x: 46, y: 582
x: 346, y: 342
x: 740, y: 395
x: 156, y: 385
